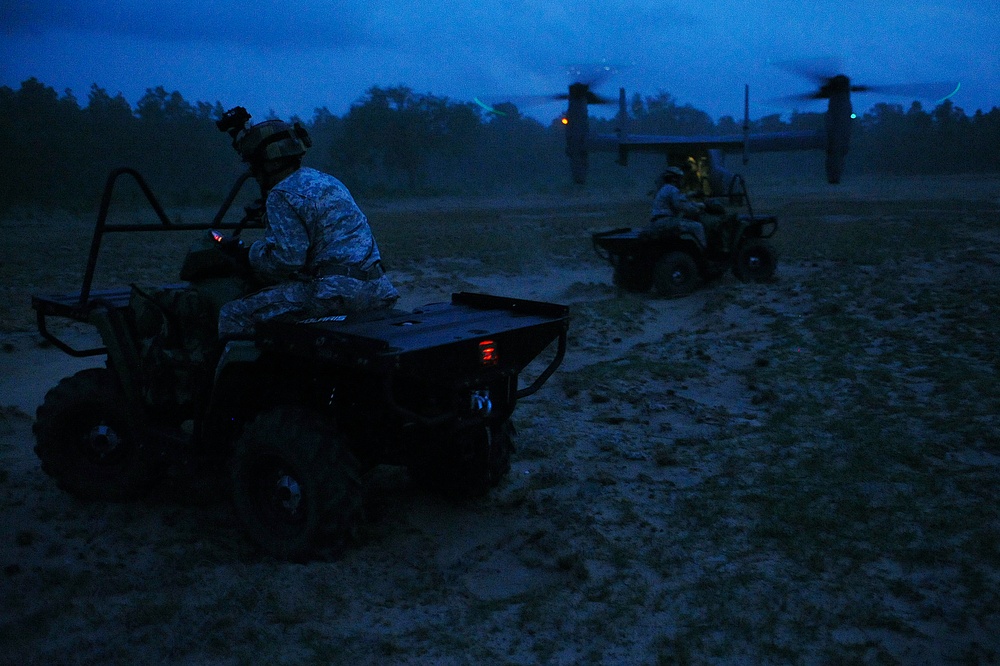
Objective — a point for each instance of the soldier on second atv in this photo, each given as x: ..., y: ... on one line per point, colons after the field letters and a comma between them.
x: 693, y: 181
x: 318, y: 256
x: 672, y: 209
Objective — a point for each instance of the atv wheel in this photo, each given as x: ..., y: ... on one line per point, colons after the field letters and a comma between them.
x: 756, y: 261
x: 86, y: 442
x: 295, y: 484
x: 633, y: 275
x: 477, y: 463
x: 675, y: 274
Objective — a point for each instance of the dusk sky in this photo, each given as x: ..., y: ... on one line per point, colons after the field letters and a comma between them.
x: 292, y: 57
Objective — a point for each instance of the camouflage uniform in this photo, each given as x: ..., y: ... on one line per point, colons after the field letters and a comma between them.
x: 669, y: 208
x: 318, y: 254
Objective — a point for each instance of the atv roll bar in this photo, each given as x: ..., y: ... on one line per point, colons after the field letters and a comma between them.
x: 79, y: 307
x: 102, y: 227
x: 743, y: 193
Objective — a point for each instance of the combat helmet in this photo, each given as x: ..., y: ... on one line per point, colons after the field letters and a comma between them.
x: 272, y: 140
x: 266, y: 141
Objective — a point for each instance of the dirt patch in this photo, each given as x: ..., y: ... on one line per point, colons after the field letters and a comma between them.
x: 799, y: 471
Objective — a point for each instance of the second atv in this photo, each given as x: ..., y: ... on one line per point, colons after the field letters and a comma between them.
x: 674, y: 262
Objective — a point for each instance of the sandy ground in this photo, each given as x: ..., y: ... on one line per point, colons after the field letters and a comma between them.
x: 686, y: 490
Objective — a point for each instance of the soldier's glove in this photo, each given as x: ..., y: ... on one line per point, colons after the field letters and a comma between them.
x: 233, y: 248
x: 254, y: 212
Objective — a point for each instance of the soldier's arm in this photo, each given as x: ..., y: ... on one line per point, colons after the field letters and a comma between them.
x: 682, y: 205
x: 284, y: 249
x: 661, y: 202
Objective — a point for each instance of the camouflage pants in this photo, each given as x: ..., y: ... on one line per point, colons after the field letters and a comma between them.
x: 297, y: 301
x: 680, y: 224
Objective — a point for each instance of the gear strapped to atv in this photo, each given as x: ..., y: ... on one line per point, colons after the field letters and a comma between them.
x: 673, y: 258
x: 299, y: 410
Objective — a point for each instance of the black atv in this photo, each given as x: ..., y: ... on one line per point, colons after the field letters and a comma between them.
x: 298, y: 412
x: 672, y: 261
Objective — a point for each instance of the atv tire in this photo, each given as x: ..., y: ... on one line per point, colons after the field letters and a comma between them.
x: 477, y: 463
x: 675, y: 274
x: 87, y: 443
x: 756, y: 261
x: 296, y: 486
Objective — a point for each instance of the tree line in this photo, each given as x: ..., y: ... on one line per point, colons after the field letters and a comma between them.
x: 394, y: 141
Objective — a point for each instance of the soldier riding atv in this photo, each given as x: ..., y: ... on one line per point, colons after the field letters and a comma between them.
x: 687, y: 242
x: 295, y: 409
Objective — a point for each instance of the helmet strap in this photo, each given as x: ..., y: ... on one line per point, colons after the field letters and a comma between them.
x: 271, y: 172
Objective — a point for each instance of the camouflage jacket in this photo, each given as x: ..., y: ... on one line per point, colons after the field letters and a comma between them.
x: 312, y: 223
x: 671, y: 202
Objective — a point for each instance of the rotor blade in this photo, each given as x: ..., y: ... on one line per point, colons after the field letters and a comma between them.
x: 521, y: 101
x: 790, y: 100
x: 592, y: 98
x: 486, y: 107
x: 819, y: 70
x: 938, y: 90
x: 586, y: 76
x: 591, y: 75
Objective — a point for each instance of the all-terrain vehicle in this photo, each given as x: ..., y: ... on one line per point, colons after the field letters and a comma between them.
x: 297, y: 412
x: 674, y: 261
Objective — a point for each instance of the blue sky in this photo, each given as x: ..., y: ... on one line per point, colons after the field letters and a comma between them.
x: 294, y: 56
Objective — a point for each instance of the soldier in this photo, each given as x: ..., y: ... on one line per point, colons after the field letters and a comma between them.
x: 672, y: 210
x: 318, y: 256
x: 692, y: 181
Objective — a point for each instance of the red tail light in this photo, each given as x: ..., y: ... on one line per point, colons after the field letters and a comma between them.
x: 488, y: 353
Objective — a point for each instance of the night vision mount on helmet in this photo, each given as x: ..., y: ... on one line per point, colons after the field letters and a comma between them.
x: 269, y: 140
